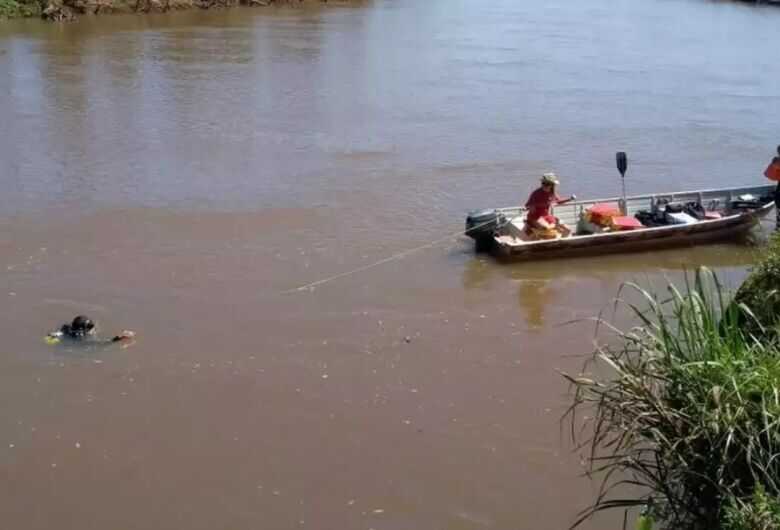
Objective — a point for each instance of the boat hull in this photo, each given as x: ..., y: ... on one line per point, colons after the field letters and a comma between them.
x: 728, y: 228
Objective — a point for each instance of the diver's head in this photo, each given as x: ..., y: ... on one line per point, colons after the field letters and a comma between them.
x: 82, y: 326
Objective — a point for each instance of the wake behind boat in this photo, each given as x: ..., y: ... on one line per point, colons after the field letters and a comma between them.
x: 621, y: 224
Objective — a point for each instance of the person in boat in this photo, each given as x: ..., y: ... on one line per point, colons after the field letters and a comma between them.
x: 772, y: 172
x: 539, y: 204
x: 84, y: 329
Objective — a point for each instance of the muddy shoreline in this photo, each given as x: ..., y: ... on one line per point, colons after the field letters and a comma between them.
x: 64, y: 10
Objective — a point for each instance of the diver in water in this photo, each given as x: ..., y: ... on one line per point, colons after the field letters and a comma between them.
x: 82, y: 328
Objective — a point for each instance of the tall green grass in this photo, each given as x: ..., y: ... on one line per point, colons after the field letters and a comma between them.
x: 686, y: 420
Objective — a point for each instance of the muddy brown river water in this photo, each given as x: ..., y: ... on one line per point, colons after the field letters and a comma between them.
x: 178, y: 174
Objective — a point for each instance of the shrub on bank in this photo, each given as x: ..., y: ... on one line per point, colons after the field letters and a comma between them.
x: 22, y: 8
x: 761, y: 512
x: 761, y: 293
x: 685, y: 413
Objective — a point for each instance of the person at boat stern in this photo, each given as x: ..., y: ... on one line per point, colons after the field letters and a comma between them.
x: 539, y: 218
x: 772, y: 172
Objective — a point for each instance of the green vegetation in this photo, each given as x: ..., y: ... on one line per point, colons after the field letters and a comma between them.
x: 684, y: 415
x: 760, y: 513
x: 23, y: 8
x: 761, y: 292
x: 59, y: 10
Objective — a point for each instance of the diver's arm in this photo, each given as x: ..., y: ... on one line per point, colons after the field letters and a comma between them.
x: 125, y: 335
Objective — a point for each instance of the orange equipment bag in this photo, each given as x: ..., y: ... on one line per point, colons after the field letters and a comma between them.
x: 602, y: 213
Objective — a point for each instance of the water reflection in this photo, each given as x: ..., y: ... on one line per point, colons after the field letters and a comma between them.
x: 533, y: 296
x: 477, y: 272
x: 542, y: 285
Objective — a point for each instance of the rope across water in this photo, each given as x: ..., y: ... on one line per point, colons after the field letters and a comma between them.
x: 394, y: 257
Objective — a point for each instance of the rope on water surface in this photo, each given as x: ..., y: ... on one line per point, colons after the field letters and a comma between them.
x: 388, y: 259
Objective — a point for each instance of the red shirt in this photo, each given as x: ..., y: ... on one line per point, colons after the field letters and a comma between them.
x: 539, y: 204
x: 773, y: 170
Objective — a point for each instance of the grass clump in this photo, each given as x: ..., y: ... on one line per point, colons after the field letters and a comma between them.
x: 687, y: 416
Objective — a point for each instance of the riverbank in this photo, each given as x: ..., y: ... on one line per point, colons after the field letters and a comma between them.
x: 686, y: 406
x: 59, y: 10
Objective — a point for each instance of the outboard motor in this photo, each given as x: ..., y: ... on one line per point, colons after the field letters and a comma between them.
x: 481, y: 225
